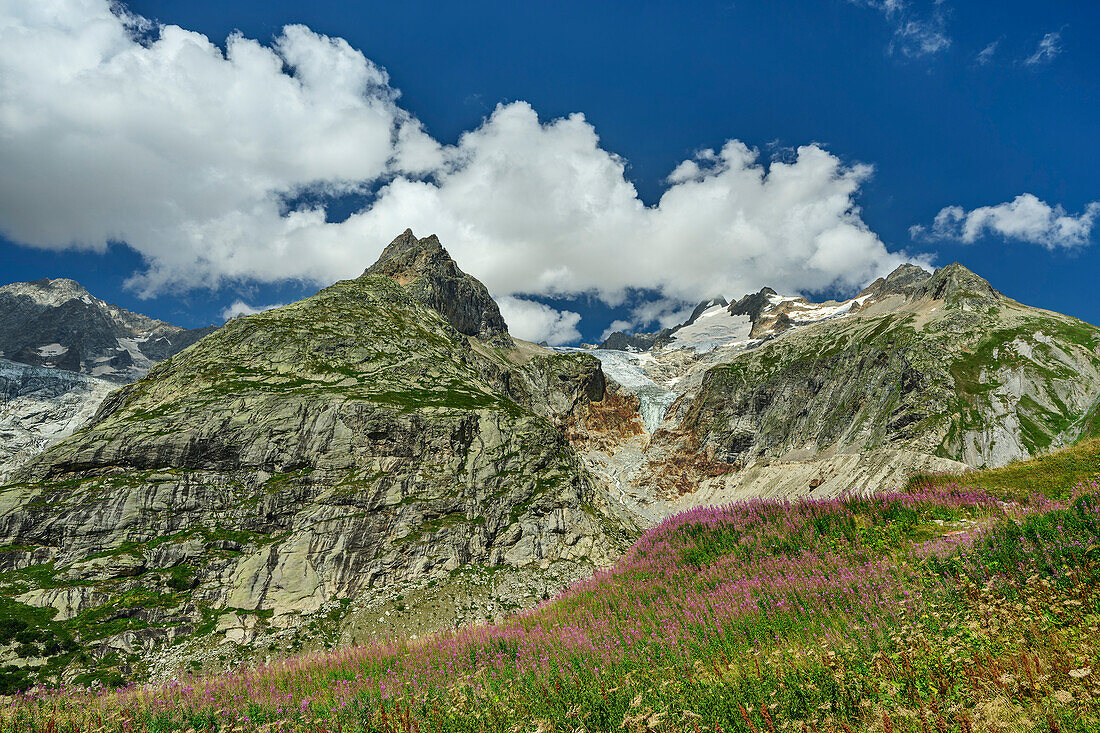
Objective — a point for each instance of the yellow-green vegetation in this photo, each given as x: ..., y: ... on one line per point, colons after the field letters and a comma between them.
x: 1052, y: 474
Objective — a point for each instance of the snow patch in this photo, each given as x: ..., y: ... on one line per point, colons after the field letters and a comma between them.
x: 141, y: 361
x: 715, y: 327
x: 52, y: 350
x: 713, y: 311
x: 811, y: 312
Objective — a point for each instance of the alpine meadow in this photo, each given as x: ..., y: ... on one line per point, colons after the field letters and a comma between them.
x: 352, y: 382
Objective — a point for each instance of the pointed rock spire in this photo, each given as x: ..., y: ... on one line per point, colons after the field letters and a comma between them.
x: 752, y: 305
x: 954, y: 282
x: 904, y: 280
x: 425, y: 269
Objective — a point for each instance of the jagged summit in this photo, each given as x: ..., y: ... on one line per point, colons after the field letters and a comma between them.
x: 752, y: 305
x: 429, y: 274
x: 705, y: 306
x: 49, y: 292
x: 956, y: 281
x: 58, y: 324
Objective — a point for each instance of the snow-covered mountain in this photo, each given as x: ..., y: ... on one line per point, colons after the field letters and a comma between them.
x: 776, y: 395
x: 653, y: 365
x: 62, y: 350
x: 58, y: 324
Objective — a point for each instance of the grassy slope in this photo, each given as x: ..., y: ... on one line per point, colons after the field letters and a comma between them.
x: 1053, y: 474
x: 958, y: 353
x: 359, y: 339
x: 938, y: 609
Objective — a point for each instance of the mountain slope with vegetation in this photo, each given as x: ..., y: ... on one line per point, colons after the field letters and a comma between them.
x: 382, y: 461
x: 941, y: 608
x: 1053, y: 474
x: 921, y: 372
x: 299, y: 475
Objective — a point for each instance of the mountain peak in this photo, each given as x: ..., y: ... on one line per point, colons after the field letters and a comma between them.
x: 705, y: 306
x: 58, y: 324
x: 957, y: 281
x: 49, y: 292
x: 406, y: 249
x: 752, y: 305
x: 429, y: 274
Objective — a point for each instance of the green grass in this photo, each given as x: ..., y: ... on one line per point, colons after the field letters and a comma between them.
x: 1091, y: 424
x: 1054, y: 474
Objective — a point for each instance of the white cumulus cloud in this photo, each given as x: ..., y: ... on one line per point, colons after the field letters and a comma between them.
x: 115, y: 130
x: 540, y: 208
x: 240, y: 308
x: 1026, y: 218
x: 539, y: 322
x: 183, y: 151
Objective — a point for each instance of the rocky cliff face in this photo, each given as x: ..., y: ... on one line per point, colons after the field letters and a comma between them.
x: 431, y: 277
x: 310, y: 472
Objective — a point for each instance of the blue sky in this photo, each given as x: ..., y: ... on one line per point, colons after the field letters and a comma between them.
x: 902, y: 87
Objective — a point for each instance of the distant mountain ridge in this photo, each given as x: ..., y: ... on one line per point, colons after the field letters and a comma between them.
x: 922, y: 371
x: 58, y: 324
x: 770, y: 313
x: 62, y: 350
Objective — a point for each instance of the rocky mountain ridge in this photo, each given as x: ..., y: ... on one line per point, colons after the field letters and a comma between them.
x: 62, y: 350
x: 384, y: 459
x: 774, y: 395
x: 430, y: 276
x: 58, y: 324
